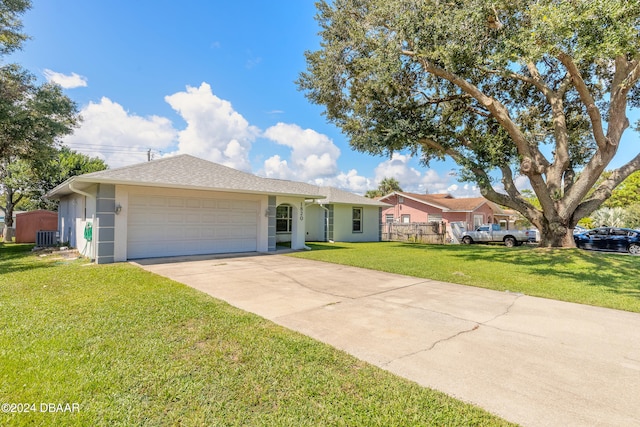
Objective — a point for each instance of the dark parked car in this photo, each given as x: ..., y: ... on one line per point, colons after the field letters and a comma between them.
x: 610, y: 239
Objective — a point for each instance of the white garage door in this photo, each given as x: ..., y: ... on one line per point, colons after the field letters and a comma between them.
x: 173, y: 225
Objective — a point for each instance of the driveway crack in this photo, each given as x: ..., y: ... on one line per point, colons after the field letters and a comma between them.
x: 295, y: 280
x: 465, y: 331
x: 432, y: 346
x: 298, y: 282
x: 506, y: 311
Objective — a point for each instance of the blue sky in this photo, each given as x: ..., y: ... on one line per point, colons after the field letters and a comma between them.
x: 209, y: 78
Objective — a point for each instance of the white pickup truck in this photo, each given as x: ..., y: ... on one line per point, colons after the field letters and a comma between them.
x: 486, y: 233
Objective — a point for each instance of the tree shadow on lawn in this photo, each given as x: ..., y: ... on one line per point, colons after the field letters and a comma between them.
x: 12, y: 256
x: 615, y: 271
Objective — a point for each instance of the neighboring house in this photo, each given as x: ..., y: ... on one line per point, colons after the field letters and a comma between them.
x: 412, y: 207
x: 183, y: 205
x: 29, y: 223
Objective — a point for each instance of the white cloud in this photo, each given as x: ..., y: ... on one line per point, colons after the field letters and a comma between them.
x: 66, y: 81
x: 397, y: 167
x: 464, y: 190
x: 215, y: 131
x: 414, y: 181
x: 349, y: 181
x: 118, y: 137
x: 313, y: 155
x: 275, y: 167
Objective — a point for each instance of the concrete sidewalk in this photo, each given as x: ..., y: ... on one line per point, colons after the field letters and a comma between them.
x: 532, y: 361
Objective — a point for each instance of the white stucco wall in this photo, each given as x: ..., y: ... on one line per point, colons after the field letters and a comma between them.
x: 74, y: 212
x: 298, y: 220
x: 315, y: 224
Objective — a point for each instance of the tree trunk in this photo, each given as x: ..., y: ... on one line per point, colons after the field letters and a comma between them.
x: 7, y: 232
x: 556, y: 236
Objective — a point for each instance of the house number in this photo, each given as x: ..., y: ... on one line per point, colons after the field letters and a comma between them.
x: 301, y: 212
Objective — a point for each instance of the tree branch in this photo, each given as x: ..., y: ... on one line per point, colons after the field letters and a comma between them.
x: 483, y: 180
x: 507, y: 182
x: 565, y: 85
x: 626, y: 75
x: 497, y: 109
x: 586, y: 98
x: 431, y: 100
x: 604, y: 190
x: 561, y: 161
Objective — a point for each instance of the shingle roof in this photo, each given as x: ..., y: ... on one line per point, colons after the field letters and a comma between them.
x: 334, y: 195
x: 185, y: 171
x: 449, y: 203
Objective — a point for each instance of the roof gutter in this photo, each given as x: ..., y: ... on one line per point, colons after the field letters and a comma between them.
x: 192, y: 187
x: 83, y: 193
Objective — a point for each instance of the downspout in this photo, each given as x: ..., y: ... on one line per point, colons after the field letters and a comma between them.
x: 307, y: 204
x: 93, y: 220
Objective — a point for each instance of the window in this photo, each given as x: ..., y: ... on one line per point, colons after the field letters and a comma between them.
x: 434, y: 218
x: 406, y: 219
x: 388, y: 218
x: 400, y: 199
x: 477, y: 220
x: 284, y: 214
x: 356, y: 216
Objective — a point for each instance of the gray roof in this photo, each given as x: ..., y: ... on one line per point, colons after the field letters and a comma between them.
x: 337, y: 196
x: 188, y: 172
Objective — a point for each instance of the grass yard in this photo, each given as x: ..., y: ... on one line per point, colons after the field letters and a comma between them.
x: 586, y: 277
x: 131, y: 348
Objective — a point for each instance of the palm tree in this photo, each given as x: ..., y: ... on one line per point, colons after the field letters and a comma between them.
x: 386, y: 186
x: 389, y: 185
x: 610, y: 217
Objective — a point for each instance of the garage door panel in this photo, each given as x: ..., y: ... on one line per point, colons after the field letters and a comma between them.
x: 170, y: 225
x: 208, y: 203
x: 208, y: 219
x: 243, y: 218
x: 176, y: 202
x: 176, y: 218
x: 157, y: 201
x: 193, y: 203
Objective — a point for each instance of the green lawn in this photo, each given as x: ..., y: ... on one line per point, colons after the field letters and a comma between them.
x: 131, y: 348
x: 594, y: 278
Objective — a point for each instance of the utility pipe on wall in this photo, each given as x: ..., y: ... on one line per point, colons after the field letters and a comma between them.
x: 92, y: 242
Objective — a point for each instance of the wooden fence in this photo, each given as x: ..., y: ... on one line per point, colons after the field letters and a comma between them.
x: 415, y: 232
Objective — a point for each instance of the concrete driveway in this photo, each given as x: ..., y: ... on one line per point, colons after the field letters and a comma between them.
x: 532, y: 361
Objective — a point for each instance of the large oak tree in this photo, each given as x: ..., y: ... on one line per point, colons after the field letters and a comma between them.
x: 505, y: 88
x: 33, y: 117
